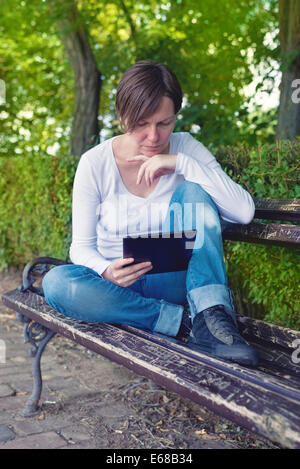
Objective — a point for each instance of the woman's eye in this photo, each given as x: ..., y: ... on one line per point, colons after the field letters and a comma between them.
x: 164, y: 124
x: 144, y: 124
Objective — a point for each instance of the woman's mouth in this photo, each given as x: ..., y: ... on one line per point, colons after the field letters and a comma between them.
x: 150, y: 148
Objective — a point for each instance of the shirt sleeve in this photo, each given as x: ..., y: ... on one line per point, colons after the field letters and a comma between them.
x: 85, y: 207
x: 196, y: 164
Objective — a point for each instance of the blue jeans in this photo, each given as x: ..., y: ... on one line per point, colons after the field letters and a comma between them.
x: 155, y: 301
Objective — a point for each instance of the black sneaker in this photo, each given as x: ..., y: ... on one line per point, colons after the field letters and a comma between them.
x: 215, y: 332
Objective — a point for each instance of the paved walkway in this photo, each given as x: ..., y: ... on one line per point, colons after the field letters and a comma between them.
x: 76, y: 395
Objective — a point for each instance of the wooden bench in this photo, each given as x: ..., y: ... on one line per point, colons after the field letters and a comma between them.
x: 264, y: 400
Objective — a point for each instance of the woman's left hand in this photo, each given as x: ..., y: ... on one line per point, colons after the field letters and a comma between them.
x: 154, y: 166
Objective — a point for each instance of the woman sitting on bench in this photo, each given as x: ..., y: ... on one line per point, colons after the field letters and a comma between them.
x: 120, y: 187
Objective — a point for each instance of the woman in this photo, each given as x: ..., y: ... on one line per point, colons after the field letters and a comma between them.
x: 130, y: 184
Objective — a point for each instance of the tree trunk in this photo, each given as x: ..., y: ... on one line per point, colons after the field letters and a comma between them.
x: 85, y: 128
x: 289, y: 108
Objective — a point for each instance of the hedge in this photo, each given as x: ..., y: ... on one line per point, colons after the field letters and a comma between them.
x: 35, y: 207
x: 265, y: 279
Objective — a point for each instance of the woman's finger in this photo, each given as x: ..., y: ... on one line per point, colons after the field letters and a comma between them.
x: 149, y: 173
x: 123, y: 270
x: 146, y: 172
x: 123, y: 262
x: 137, y: 158
x: 151, y: 176
x: 141, y: 173
x: 137, y: 267
x: 136, y: 275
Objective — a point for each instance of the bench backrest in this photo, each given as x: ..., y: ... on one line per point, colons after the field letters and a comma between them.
x: 280, y: 234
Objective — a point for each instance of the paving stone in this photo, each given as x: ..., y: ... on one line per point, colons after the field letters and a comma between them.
x: 39, y: 424
x: 75, y: 435
x: 48, y: 440
x: 6, y: 390
x: 6, y: 433
x: 13, y: 402
x: 13, y: 370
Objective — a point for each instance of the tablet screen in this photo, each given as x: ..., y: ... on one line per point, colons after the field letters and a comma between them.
x: 168, y: 252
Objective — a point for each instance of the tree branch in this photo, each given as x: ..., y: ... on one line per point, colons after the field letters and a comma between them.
x: 74, y: 37
x: 129, y: 19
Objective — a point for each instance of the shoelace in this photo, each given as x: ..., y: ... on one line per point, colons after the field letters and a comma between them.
x: 221, y: 325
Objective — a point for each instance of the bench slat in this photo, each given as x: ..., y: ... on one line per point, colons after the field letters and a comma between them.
x: 277, y: 209
x: 270, y: 333
x: 264, y: 233
x: 275, y: 369
x: 247, y: 397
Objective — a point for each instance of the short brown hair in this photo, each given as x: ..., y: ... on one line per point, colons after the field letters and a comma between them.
x: 140, y: 91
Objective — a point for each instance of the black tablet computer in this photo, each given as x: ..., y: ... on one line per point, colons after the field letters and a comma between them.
x: 168, y: 252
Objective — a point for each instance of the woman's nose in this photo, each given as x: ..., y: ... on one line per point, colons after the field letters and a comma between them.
x: 153, y: 135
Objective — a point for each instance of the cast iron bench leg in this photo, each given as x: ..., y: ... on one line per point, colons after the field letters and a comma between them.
x: 38, y: 336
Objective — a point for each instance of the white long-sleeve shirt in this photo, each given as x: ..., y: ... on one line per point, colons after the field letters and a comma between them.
x: 104, y: 211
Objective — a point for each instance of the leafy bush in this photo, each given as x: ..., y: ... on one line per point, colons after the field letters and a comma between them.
x: 35, y: 205
x: 265, y: 278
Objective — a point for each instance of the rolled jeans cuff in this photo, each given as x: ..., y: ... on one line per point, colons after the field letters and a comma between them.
x: 201, y: 298
x: 169, y: 319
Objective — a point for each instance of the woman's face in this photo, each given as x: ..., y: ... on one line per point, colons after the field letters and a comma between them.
x: 151, y: 135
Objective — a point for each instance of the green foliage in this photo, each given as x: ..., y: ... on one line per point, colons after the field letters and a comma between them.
x: 35, y: 206
x: 36, y: 117
x: 257, y: 127
x: 206, y: 43
x: 267, y: 277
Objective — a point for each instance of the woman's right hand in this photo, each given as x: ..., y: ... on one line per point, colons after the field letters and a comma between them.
x: 122, y: 274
